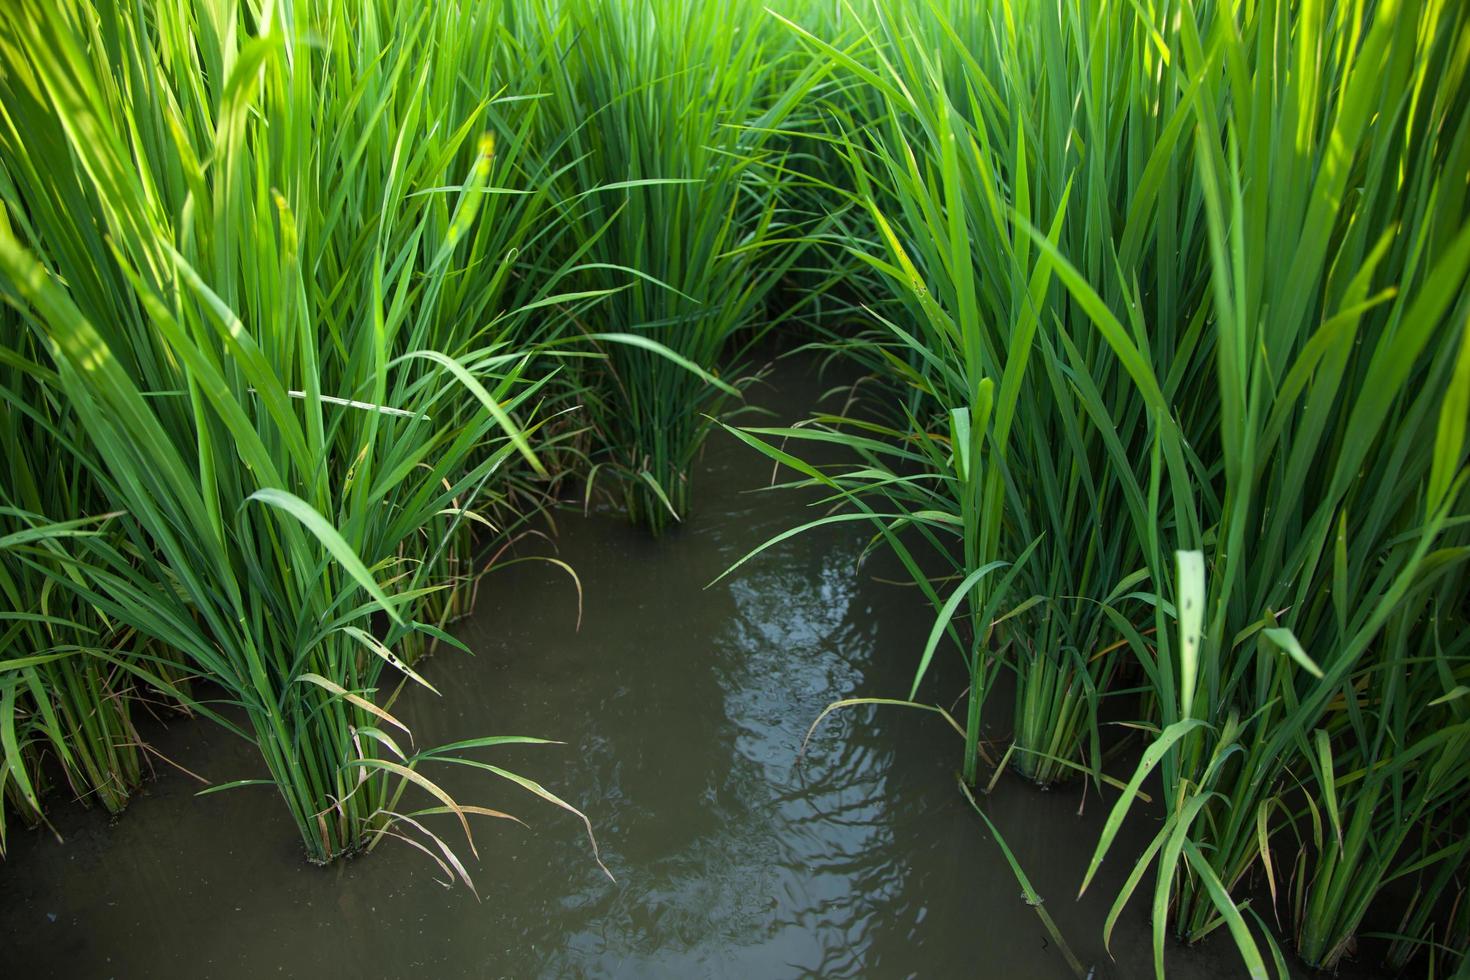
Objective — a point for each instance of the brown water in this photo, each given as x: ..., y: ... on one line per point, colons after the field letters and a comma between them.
x: 682, y: 709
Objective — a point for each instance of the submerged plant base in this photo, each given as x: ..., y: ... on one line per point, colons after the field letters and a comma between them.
x: 657, y: 506
x: 1054, y: 715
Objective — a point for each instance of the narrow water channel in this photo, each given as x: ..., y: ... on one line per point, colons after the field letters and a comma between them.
x: 682, y: 709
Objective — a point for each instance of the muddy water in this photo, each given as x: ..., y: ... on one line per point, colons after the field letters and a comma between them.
x: 682, y: 709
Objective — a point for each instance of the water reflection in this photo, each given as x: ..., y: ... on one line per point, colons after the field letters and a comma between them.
x: 730, y: 859
x: 796, y: 643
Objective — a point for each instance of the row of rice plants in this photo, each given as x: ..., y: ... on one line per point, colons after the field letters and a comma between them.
x: 1183, y: 278
x: 271, y: 304
x: 676, y: 193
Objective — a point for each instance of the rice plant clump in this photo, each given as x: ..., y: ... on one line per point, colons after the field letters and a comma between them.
x: 1181, y: 280
x: 243, y: 278
x: 667, y: 114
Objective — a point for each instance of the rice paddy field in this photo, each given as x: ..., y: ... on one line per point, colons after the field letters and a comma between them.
x: 649, y: 488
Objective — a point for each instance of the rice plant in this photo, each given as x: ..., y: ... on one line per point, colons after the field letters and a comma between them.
x: 1202, y: 275
x: 1338, y: 249
x: 234, y: 266
x: 55, y: 699
x: 665, y: 113
x: 1396, y: 770
x: 1434, y: 922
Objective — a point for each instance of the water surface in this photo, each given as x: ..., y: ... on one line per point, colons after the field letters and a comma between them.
x: 682, y: 709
